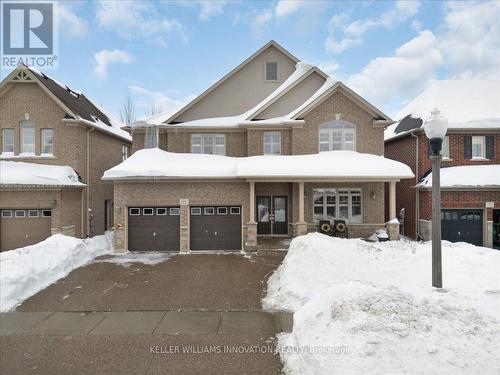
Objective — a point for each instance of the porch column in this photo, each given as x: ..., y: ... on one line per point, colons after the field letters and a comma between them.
x: 251, y: 234
x: 301, y: 225
x: 392, y: 226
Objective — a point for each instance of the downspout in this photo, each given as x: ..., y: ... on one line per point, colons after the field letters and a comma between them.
x: 88, y: 181
x: 417, y: 192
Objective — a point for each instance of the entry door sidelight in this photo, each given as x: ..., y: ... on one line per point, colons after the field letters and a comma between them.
x: 272, y: 215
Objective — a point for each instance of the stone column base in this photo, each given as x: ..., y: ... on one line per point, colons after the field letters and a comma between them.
x: 119, y: 240
x: 251, y: 240
x: 300, y: 229
x: 184, y: 240
x: 392, y: 228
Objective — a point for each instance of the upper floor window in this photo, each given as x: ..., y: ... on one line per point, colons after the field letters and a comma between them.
x: 445, y: 149
x: 125, y: 151
x: 271, y: 71
x: 47, y: 141
x: 7, y: 141
x: 27, y: 137
x: 272, y: 143
x: 208, y: 144
x: 151, y: 137
x: 337, y: 135
x: 478, y: 147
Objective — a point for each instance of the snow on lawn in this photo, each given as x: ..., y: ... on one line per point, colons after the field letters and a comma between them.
x: 374, y: 300
x: 26, y: 271
x: 127, y: 259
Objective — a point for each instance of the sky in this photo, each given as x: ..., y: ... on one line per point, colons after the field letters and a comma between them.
x: 164, y: 53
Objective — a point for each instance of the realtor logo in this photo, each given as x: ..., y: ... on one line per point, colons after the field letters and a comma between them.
x: 29, y: 34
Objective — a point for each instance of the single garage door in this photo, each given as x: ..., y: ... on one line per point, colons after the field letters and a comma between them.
x: 215, y: 228
x: 154, y: 228
x: 19, y: 228
x: 462, y: 226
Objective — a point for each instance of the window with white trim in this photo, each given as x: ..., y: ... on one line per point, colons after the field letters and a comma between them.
x: 213, y: 144
x: 478, y: 147
x: 28, y: 137
x: 7, y: 141
x: 33, y: 213
x: 151, y: 137
x: 337, y: 135
x: 6, y: 214
x: 135, y: 211
x: 46, y: 213
x: 272, y: 143
x: 20, y: 213
x: 340, y: 204
x: 125, y: 151
x: 271, y: 71
x: 445, y: 148
x: 47, y: 136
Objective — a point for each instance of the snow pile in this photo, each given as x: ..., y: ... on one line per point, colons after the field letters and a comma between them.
x: 26, y: 271
x: 338, y: 164
x: 470, y: 176
x: 375, y: 301
x: 127, y: 259
x: 20, y: 173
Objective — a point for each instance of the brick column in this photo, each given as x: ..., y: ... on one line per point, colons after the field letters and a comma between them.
x: 251, y: 239
x: 119, y: 228
x: 184, y: 203
x: 301, y: 228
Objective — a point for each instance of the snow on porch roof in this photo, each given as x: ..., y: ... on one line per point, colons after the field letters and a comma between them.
x: 156, y: 163
x: 20, y: 173
x: 466, y: 176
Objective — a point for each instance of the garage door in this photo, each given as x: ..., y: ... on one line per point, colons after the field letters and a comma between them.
x: 19, y: 228
x: 154, y: 228
x: 462, y: 226
x: 215, y: 228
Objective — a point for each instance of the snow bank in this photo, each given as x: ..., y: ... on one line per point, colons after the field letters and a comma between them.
x: 470, y: 176
x: 20, y: 173
x: 336, y: 164
x: 375, y: 300
x: 26, y: 271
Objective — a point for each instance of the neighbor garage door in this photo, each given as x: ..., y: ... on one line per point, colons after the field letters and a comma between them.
x: 215, y: 228
x: 19, y: 228
x: 153, y: 229
x: 462, y: 226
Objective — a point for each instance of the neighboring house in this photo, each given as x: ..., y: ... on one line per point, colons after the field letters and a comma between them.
x: 55, y: 146
x: 470, y: 172
x: 242, y: 161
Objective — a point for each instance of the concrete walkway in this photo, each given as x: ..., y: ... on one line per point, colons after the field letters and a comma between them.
x: 145, y: 323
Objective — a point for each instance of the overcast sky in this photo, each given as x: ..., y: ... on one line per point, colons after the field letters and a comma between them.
x: 168, y: 51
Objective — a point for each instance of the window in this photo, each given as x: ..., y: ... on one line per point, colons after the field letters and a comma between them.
x: 147, y: 211
x: 208, y: 144
x: 196, y: 211
x: 151, y: 137
x: 33, y: 213
x: 8, y: 141
x: 175, y: 211
x: 445, y: 149
x: 47, y: 141
x: 27, y: 137
x: 6, y: 214
x: 125, y: 151
x: 46, y: 213
x: 135, y: 212
x: 272, y: 143
x: 478, y: 147
x: 20, y: 213
x: 209, y: 211
x: 337, y: 135
x: 221, y: 210
x: 271, y: 71
x: 234, y: 210
x: 161, y: 211
x: 342, y: 204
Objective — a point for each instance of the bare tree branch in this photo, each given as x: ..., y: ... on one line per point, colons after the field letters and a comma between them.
x: 127, y: 113
x: 153, y: 109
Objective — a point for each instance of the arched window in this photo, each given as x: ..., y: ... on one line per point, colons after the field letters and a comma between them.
x: 337, y: 135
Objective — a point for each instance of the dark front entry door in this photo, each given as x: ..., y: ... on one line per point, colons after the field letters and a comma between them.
x: 462, y: 226
x: 272, y: 215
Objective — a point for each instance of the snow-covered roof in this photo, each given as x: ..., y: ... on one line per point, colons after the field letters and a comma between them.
x: 467, y: 104
x: 466, y: 176
x: 21, y: 173
x: 156, y: 163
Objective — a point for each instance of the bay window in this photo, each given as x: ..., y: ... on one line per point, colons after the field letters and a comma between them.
x: 27, y: 137
x: 47, y: 141
x: 341, y: 204
x: 337, y: 135
x: 272, y: 143
x: 213, y: 144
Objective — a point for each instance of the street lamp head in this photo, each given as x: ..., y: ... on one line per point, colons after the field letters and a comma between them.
x: 435, y: 128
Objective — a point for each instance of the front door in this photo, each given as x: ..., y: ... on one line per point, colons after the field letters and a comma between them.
x: 272, y: 214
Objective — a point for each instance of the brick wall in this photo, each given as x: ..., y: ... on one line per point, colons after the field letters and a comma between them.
x: 255, y: 139
x: 180, y: 141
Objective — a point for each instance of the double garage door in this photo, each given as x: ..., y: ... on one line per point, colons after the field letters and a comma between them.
x: 158, y: 228
x: 465, y: 225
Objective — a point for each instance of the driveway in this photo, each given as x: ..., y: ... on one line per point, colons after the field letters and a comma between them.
x: 107, y: 318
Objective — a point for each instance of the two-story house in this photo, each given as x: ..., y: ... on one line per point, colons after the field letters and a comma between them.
x: 55, y: 146
x: 470, y: 171
x: 270, y: 150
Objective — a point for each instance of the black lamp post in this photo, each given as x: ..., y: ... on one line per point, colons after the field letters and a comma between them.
x: 435, y: 129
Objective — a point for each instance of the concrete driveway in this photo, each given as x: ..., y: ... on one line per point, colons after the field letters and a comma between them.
x: 190, y: 314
